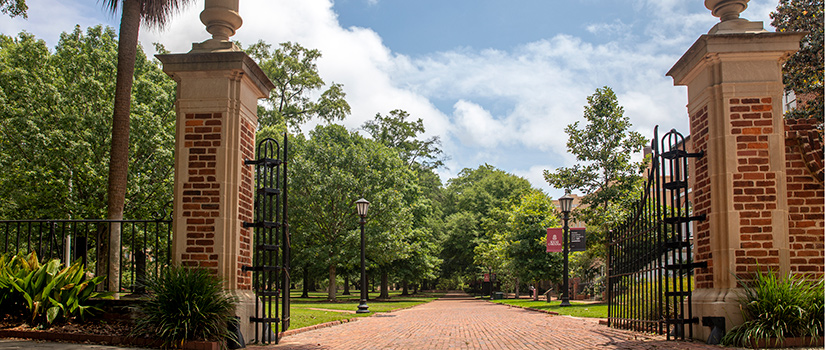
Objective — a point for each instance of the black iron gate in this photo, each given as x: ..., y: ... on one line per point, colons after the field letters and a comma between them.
x: 270, y: 262
x: 650, y: 264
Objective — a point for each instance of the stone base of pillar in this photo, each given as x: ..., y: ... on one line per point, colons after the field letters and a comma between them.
x: 245, y: 310
x: 716, y: 303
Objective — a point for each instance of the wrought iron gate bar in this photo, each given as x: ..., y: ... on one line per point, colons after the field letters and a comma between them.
x: 262, y: 224
x: 270, y: 191
x: 270, y: 262
x: 262, y: 268
x: 269, y: 162
x: 650, y: 266
x: 273, y: 293
x: 684, y: 219
x: 270, y: 247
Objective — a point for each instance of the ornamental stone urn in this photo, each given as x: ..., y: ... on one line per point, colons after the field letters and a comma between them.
x: 728, y: 12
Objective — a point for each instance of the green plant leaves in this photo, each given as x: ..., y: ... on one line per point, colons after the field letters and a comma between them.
x: 775, y: 308
x: 45, y: 292
x: 185, y: 304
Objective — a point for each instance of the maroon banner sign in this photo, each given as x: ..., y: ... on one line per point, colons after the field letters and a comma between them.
x: 554, y: 240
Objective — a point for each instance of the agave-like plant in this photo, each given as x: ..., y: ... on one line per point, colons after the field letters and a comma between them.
x: 775, y: 308
x: 186, y: 304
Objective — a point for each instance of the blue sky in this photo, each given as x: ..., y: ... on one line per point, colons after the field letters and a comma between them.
x: 497, y: 80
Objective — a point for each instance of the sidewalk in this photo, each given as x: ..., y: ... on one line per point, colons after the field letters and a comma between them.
x: 458, y: 321
x: 43, y: 345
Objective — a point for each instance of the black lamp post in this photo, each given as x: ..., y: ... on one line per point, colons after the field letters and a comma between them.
x: 566, y: 202
x: 362, y: 205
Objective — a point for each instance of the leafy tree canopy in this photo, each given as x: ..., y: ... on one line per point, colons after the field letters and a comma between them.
x: 14, y: 8
x: 526, y: 235
x: 475, y: 209
x: 803, y: 72
x: 55, y: 118
x: 293, y: 70
x: 396, y: 132
x: 606, y: 173
x: 330, y: 171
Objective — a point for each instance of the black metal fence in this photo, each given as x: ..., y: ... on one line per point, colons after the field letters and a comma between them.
x: 145, y: 244
x: 650, y: 265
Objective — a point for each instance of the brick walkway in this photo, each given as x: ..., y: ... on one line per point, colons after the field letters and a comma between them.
x: 460, y: 322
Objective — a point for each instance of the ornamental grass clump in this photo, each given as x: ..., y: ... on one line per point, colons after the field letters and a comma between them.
x: 186, y: 304
x: 778, y: 308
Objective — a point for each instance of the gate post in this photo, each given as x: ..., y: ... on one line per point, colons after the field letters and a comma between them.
x: 735, y: 92
x: 216, y: 106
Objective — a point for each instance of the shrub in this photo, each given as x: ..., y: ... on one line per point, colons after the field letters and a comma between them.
x: 185, y: 304
x: 46, y: 292
x: 775, y: 308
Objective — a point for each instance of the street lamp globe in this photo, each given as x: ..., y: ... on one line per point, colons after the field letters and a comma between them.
x: 362, y: 205
x: 566, y: 203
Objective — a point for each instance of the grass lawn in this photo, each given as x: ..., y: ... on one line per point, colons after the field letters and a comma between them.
x: 576, y: 309
x: 303, y: 315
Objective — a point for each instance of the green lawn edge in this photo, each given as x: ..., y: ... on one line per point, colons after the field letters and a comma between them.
x: 302, y: 313
x: 576, y: 309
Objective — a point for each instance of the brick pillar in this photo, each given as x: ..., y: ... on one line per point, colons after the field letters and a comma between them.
x: 735, y: 94
x: 216, y: 108
x: 806, y: 195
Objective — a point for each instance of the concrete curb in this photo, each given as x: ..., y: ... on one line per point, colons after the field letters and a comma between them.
x: 526, y: 308
x: 317, y: 326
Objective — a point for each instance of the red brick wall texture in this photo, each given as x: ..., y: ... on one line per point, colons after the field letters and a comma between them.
x: 201, y: 191
x: 755, y: 190
x: 754, y: 186
x: 803, y: 159
x: 246, y: 203
x: 701, y: 198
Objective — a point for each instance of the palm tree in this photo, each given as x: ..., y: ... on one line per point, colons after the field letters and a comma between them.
x: 154, y: 13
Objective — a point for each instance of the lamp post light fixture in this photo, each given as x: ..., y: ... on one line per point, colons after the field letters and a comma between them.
x: 566, y: 203
x: 362, y: 205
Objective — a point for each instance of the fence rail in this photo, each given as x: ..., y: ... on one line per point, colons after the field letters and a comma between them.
x: 145, y: 245
x: 650, y: 265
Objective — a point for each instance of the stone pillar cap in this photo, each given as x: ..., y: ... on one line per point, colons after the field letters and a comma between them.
x: 222, y: 20
x: 728, y: 12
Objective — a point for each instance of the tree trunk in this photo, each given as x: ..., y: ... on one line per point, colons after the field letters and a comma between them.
x: 333, y: 286
x: 517, y: 285
x: 305, y: 291
x: 346, y: 284
x: 385, y: 293
x: 404, y: 288
x: 119, y: 151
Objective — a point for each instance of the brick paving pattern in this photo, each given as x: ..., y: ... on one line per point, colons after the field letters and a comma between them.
x: 460, y: 322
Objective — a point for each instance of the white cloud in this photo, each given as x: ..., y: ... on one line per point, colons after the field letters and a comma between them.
x: 474, y: 126
x: 615, y: 28
x: 535, y: 174
x: 489, y: 100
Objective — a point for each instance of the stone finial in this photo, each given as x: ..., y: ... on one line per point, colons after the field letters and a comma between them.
x: 728, y: 12
x: 726, y: 9
x: 222, y: 20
